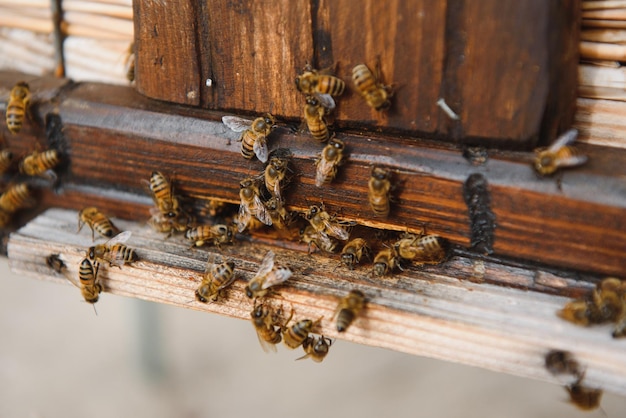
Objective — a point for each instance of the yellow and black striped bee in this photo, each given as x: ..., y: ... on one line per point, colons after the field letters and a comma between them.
x: 6, y: 159
x: 368, y: 84
x: 274, y: 175
x: 216, y: 279
x: 267, y: 276
x: 349, y: 308
x: 214, y: 234
x: 316, y: 348
x: 281, y: 218
x: 18, y: 106
x: 163, y: 195
x: 324, y: 223
x: 321, y: 85
x: 385, y: 261
x: 311, y: 237
x: 41, y: 164
x: 251, y: 205
x: 559, y: 155
x: 254, y: 134
x: 113, y: 251
x: 295, y: 335
x: 329, y: 160
x: 90, y: 287
x: 268, y: 326
x: 17, y: 196
x: 426, y: 249
x: 379, y: 187
x: 314, y: 118
x: 353, y: 251
x: 97, y: 221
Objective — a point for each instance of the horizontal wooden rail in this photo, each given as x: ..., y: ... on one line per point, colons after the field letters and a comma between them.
x: 448, y: 312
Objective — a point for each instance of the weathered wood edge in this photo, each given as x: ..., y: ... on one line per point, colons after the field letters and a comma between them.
x: 421, y: 312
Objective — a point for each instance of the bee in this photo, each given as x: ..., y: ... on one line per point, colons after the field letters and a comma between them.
x: 353, y: 251
x: 562, y: 362
x: 19, y: 100
x: 329, y: 160
x: 604, y: 304
x: 274, y: 175
x: 368, y: 84
x: 254, y: 134
x: 560, y: 154
x: 311, y: 237
x: 40, y: 164
x: 267, y: 325
x: 215, y: 234
x: 385, y: 262
x: 113, y: 251
x: 379, y: 187
x: 129, y: 62
x: 316, y: 348
x: 583, y: 397
x: 427, y: 249
x: 296, y: 334
x: 215, y: 207
x: 55, y: 263
x: 319, y: 82
x: 90, y: 287
x: 314, y: 118
x: 267, y: 276
x: 276, y: 209
x: 16, y: 197
x: 349, y: 308
x: 162, y: 223
x: 6, y: 159
x: 163, y: 195
x: 251, y: 204
x: 97, y: 221
x: 323, y: 223
x: 216, y: 279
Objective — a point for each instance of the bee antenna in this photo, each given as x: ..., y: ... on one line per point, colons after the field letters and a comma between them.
x: 94, y: 309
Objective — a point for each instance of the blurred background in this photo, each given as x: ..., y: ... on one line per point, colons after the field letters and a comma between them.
x: 135, y: 358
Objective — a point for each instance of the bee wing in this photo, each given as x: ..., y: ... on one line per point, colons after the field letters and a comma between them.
x: 243, y: 217
x: 326, y: 100
x: 227, y: 283
x: 119, y: 238
x: 266, y: 265
x: 323, y: 168
x: 236, y: 124
x: 260, y: 148
x: 278, y: 276
x: 261, y: 212
x: 336, y: 230
x: 266, y: 345
x: 325, y: 242
x: 572, y: 160
x: 565, y: 139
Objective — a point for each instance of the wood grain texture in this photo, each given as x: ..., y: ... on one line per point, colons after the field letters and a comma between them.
x: 434, y: 312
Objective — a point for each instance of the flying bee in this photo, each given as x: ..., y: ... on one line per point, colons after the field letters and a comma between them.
x: 311, y: 237
x: 267, y: 276
x: 41, y: 164
x: 163, y: 195
x: 314, y: 118
x: 368, y: 84
x: 295, y: 335
x: 16, y: 197
x: 558, y: 155
x: 323, y: 223
x: 353, y: 251
x: 215, y: 234
x: 6, y: 159
x: 385, y: 262
x: 274, y: 175
x: 216, y: 279
x: 251, y: 205
x: 379, y: 187
x: 427, y: 249
x: 113, y: 251
x: 254, y: 134
x: 319, y: 82
x: 328, y: 162
x: 267, y: 325
x: 17, y: 106
x: 583, y: 397
x: 316, y: 348
x: 349, y: 308
x: 97, y: 221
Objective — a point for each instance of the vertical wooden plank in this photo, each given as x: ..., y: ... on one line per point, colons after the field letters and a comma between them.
x: 166, y: 57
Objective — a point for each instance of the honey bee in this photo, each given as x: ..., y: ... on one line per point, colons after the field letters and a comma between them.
x: 316, y: 348
x: 296, y: 334
x: 162, y: 223
x: 55, y: 263
x: 323, y: 223
x: 349, y: 308
x: 251, y: 204
x: 353, y: 251
x: 113, y: 251
x: 385, y: 262
x: 163, y: 195
x: 129, y: 62
x: 319, y: 82
x: 606, y: 303
x: 314, y: 118
x: 254, y: 134
x: 560, y: 154
x: 274, y: 175
x: 40, y: 164
x: 373, y: 91
x: 583, y: 397
x: 17, y: 107
x: 97, y: 221
x: 311, y: 237
x: 328, y: 162
x: 16, y: 197
x: 562, y: 362
x: 267, y: 325
x: 267, y: 276
x: 276, y: 209
x: 427, y: 249
x: 216, y: 279
x: 215, y: 234
x: 90, y: 287
x: 215, y: 207
x: 6, y: 159
x: 379, y: 187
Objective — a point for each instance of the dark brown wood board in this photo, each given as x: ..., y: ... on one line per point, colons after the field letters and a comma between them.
x: 507, y: 68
